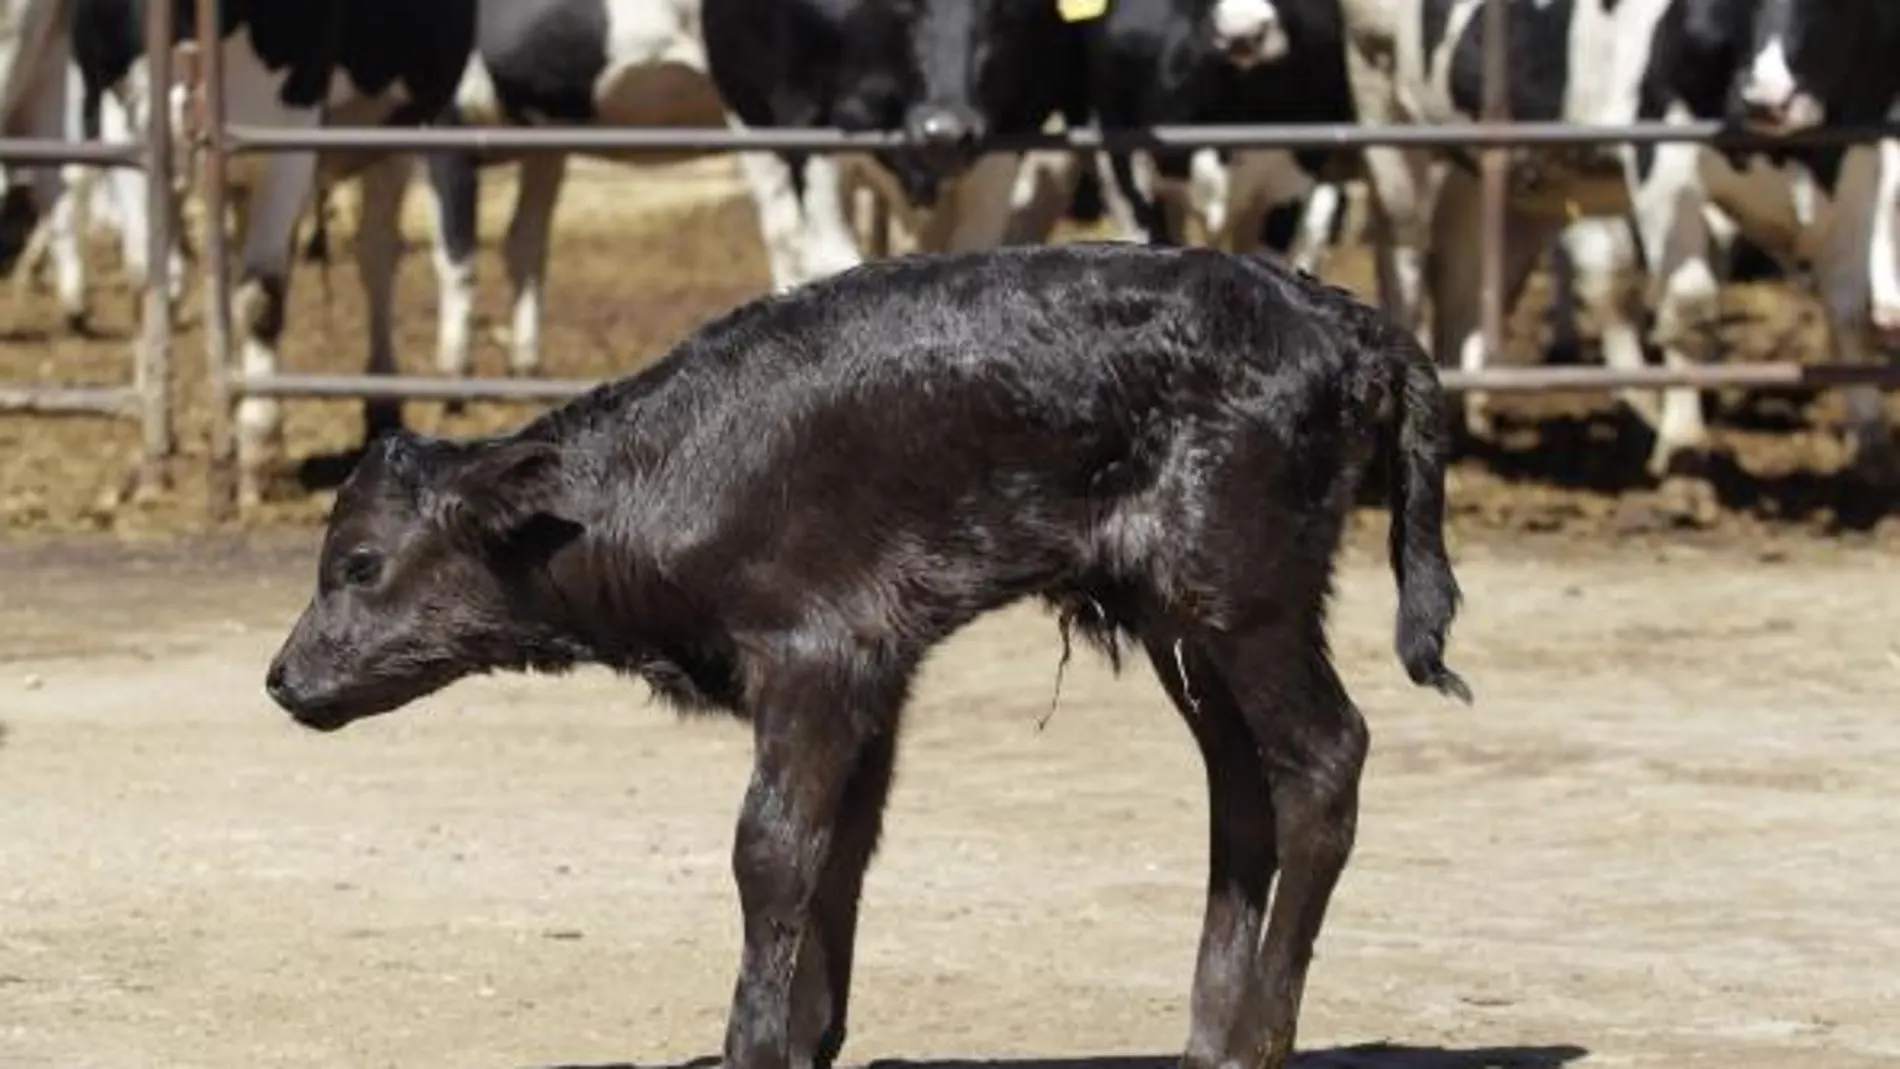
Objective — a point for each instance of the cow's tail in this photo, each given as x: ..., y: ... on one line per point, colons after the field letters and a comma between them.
x: 1416, y: 447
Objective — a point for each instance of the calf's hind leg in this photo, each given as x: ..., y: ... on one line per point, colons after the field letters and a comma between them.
x: 1313, y: 743
x: 1240, y: 859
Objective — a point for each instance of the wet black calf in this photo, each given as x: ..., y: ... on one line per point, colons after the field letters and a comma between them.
x: 784, y: 515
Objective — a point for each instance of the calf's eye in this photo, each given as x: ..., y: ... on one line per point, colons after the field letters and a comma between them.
x: 362, y: 567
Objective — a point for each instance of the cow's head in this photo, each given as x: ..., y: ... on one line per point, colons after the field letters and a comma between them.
x: 1810, y: 62
x: 430, y: 550
x: 969, y: 69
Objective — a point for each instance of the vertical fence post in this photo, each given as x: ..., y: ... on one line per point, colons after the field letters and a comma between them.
x: 1495, y: 168
x: 153, y: 368
x: 221, y: 458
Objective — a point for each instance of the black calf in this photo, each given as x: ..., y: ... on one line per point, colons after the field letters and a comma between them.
x: 782, y: 518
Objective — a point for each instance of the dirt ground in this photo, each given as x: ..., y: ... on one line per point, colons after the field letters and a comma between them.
x: 1661, y: 838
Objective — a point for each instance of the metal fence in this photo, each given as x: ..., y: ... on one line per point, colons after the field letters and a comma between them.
x: 148, y: 399
x: 217, y: 141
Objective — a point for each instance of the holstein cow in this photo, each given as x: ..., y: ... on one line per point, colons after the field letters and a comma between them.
x: 784, y: 517
x: 35, y: 101
x: 91, y: 198
x: 948, y: 72
x: 1421, y: 61
x: 298, y: 64
x: 636, y: 63
x: 1777, y: 66
x: 1166, y: 62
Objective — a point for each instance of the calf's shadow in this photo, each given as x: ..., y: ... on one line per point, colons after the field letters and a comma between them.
x: 1360, y: 1056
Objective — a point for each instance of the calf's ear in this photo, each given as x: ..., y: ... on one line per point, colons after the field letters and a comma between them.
x: 500, y: 490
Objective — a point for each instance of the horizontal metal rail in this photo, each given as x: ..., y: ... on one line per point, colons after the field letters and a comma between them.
x: 67, y: 400
x: 32, y: 150
x: 1494, y: 380
x: 409, y: 387
x: 1782, y: 376
x: 248, y: 138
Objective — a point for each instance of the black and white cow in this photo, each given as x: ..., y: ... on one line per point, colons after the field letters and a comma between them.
x: 948, y: 72
x: 1777, y: 66
x: 1168, y: 62
x: 1826, y: 213
x: 637, y: 63
x: 295, y: 64
x: 1587, y: 62
x: 88, y: 199
x: 1421, y: 61
x: 36, y: 99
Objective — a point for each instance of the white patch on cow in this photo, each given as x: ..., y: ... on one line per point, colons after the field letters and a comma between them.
x: 1776, y: 102
x: 455, y: 302
x: 656, y: 67
x: 1249, y: 32
x: 1208, y: 189
x: 1316, y: 228
x: 806, y: 237
x: 1606, y: 272
x: 1884, y: 254
x: 475, y: 95
x: 1625, y: 35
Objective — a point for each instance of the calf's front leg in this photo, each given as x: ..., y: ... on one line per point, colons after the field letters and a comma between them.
x: 824, y: 747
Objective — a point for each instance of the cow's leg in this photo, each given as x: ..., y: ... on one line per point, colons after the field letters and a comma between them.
x: 803, y: 217
x: 1457, y: 278
x: 378, y: 254
x: 69, y: 227
x: 1313, y: 742
x: 1044, y: 188
x: 1603, y: 263
x: 823, y: 1020
x: 525, y: 249
x: 1684, y: 295
x: 454, y: 181
x: 260, y: 301
x: 123, y: 115
x: 814, y: 726
x: 1241, y: 852
x: 1215, y: 202
x: 978, y: 214
x: 1398, y: 198
x: 1844, y: 272
x: 1313, y: 244
x: 1121, y: 194
x: 1884, y: 255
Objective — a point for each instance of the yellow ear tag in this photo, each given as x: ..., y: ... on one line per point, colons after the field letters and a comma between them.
x: 1081, y: 10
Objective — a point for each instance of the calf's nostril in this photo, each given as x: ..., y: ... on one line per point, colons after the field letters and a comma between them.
x: 274, y: 682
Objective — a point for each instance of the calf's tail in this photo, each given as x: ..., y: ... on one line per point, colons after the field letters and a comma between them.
x: 1416, y: 444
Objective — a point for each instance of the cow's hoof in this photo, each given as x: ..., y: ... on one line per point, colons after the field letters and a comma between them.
x: 1688, y: 501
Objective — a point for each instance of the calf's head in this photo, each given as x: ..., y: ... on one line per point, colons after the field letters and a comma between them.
x: 430, y: 551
